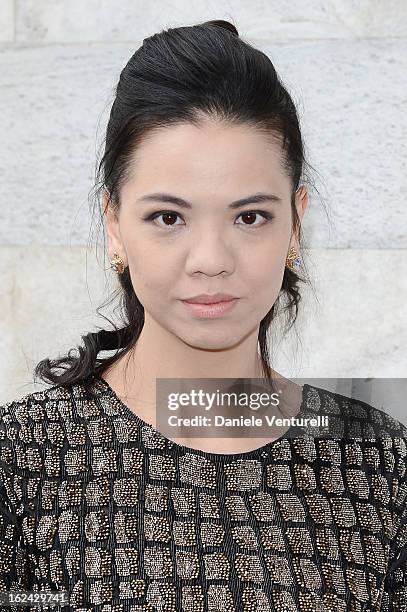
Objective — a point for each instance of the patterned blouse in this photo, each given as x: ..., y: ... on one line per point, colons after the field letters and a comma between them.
x: 97, y: 504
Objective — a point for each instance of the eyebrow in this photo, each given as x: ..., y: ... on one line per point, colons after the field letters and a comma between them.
x: 253, y: 199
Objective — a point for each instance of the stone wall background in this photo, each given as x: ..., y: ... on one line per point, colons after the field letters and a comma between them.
x: 344, y: 62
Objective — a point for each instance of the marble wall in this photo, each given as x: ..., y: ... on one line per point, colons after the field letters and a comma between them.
x: 344, y: 63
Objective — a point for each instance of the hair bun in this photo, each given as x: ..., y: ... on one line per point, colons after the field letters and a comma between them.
x: 226, y: 25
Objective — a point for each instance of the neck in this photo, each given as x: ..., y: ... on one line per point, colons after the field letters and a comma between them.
x: 160, y: 354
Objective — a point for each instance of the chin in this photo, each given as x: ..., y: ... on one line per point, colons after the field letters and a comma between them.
x: 215, y: 340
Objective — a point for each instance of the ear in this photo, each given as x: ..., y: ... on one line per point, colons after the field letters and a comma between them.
x: 115, y: 244
x: 301, y: 200
x: 301, y: 203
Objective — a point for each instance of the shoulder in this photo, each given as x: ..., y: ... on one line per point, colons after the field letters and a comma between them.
x: 35, y: 428
x: 372, y: 437
x: 354, y: 417
x: 28, y: 411
x: 373, y: 441
x: 58, y: 403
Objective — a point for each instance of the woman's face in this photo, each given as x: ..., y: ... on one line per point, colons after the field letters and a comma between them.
x: 210, y: 246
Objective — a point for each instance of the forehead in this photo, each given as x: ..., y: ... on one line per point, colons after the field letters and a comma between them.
x: 210, y: 153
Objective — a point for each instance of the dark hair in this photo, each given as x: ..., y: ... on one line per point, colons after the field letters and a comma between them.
x: 181, y: 75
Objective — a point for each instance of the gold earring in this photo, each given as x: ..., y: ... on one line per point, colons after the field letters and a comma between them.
x: 117, y: 264
x: 293, y: 259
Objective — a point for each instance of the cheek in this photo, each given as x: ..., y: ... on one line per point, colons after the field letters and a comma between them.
x: 263, y: 281
x: 153, y: 277
x: 150, y: 282
x: 264, y: 268
x: 149, y: 263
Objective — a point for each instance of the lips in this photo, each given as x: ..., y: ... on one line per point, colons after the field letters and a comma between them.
x: 213, y: 310
x: 216, y: 298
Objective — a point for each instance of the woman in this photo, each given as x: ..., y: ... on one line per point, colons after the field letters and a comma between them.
x: 201, y: 196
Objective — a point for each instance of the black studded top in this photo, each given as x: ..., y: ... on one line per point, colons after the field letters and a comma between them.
x: 96, y: 503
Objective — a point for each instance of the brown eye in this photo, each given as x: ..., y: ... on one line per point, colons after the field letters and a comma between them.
x: 169, y: 216
x: 165, y: 214
x: 250, y: 216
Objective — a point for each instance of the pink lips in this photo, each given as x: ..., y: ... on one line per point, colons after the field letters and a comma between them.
x: 207, y: 298
x: 212, y: 310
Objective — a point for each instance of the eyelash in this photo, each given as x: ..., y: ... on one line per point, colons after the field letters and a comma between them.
x: 267, y: 216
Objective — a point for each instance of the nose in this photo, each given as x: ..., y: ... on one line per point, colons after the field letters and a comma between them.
x: 211, y: 254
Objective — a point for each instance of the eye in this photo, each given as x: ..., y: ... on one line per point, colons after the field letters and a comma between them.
x: 171, y: 215
x: 167, y: 214
x: 251, y: 214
